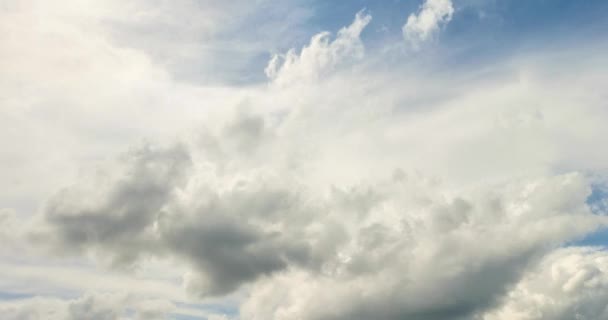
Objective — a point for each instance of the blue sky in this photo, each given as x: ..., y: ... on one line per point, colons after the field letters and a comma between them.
x: 481, y: 30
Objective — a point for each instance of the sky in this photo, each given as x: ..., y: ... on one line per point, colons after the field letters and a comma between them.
x: 303, y: 160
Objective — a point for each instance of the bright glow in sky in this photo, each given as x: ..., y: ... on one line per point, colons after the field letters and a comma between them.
x: 303, y: 160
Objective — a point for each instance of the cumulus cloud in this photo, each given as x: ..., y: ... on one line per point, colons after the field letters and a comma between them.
x: 570, y: 283
x: 321, y: 55
x: 420, y: 256
x: 422, y: 26
x: 405, y: 242
x: 356, y: 194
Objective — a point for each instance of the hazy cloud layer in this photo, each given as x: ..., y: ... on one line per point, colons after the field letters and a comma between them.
x: 94, y: 307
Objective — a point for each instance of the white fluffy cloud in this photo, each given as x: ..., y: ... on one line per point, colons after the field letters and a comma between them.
x: 321, y: 56
x: 420, y: 256
x: 426, y: 23
x: 568, y: 284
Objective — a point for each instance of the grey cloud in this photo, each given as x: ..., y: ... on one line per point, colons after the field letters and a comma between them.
x: 247, y: 131
x: 228, y: 254
x: 230, y: 237
x: 460, y: 296
x: 118, y: 217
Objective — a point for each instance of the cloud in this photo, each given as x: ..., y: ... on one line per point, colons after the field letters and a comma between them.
x: 68, y: 61
x: 569, y: 283
x: 228, y: 236
x: 119, y: 215
x: 420, y: 258
x: 381, y: 191
x: 263, y: 231
x: 421, y: 27
x: 321, y: 55
x: 133, y: 208
x: 92, y: 306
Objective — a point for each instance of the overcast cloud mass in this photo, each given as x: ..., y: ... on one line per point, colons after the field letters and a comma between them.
x: 303, y: 160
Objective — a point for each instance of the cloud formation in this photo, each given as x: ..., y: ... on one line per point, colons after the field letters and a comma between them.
x: 321, y: 55
x: 421, y: 258
x: 423, y: 26
x: 568, y: 284
x: 350, y: 185
x: 402, y: 247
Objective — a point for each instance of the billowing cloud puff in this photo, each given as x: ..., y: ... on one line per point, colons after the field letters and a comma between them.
x: 421, y: 255
x: 321, y: 55
x: 569, y: 283
x: 423, y: 26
